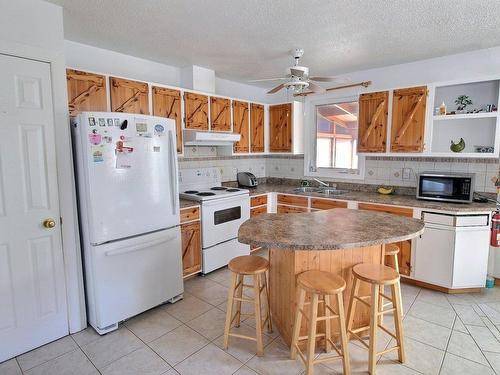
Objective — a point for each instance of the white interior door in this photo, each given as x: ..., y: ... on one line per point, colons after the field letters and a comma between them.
x: 32, y: 287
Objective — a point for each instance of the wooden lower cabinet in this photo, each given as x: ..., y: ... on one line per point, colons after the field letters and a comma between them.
x: 293, y: 200
x: 191, y: 248
x: 256, y: 211
x: 404, y: 256
x: 290, y: 209
x: 326, y: 204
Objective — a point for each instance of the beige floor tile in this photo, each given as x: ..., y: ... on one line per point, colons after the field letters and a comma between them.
x: 244, y: 370
x: 420, y: 357
x: 459, y: 326
x: 152, y: 324
x: 276, y: 361
x: 112, y: 346
x: 188, y: 308
x: 435, y: 298
x: 46, y: 353
x: 72, y: 363
x: 393, y: 368
x: 210, y: 324
x: 426, y: 332
x: 461, y: 299
x: 85, y: 336
x: 178, y: 344
x: 484, y: 338
x: 494, y: 360
x: 211, y: 292
x: 487, y: 295
x: 142, y: 361
x: 493, y: 329
x: 433, y: 313
x: 468, y: 315
x: 358, y: 358
x: 454, y: 365
x: 10, y: 367
x: 221, y: 276
x: 492, y: 311
x: 463, y: 345
x: 209, y: 360
x: 240, y: 348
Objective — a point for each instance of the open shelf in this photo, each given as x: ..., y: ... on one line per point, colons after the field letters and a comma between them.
x: 466, y: 116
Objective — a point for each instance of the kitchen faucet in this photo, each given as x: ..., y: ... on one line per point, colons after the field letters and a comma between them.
x: 321, y: 182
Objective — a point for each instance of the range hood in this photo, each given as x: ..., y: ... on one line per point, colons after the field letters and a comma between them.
x: 204, y: 138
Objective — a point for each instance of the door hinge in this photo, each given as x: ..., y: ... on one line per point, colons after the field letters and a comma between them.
x: 60, y: 220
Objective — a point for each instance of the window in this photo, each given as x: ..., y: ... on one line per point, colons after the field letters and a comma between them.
x: 333, y: 136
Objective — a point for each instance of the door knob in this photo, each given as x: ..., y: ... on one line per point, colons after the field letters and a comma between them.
x: 49, y: 223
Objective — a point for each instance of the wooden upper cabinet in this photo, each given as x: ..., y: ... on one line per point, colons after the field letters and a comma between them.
x: 241, y: 126
x: 196, y: 111
x: 167, y: 103
x: 129, y: 96
x: 256, y: 127
x: 86, y: 92
x: 372, y: 121
x: 280, y: 128
x: 408, y: 119
x: 220, y: 114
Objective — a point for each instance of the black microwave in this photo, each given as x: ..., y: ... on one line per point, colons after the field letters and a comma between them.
x: 446, y: 186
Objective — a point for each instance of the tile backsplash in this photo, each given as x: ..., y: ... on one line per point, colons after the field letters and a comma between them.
x: 397, y: 171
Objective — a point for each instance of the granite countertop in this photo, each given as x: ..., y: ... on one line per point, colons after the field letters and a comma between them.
x: 185, y: 203
x: 339, y: 228
x: 371, y: 197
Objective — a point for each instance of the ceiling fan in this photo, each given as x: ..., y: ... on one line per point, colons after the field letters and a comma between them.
x: 297, y: 78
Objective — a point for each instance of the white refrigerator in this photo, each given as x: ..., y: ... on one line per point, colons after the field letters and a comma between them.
x: 126, y: 167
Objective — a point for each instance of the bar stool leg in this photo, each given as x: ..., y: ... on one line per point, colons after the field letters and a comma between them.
x: 269, y: 316
x: 352, y: 307
x: 398, y: 320
x: 229, y: 309
x: 239, y: 294
x: 328, y: 324
x: 311, y: 340
x: 343, y: 335
x: 258, y: 320
x: 372, y: 351
x: 396, y: 264
x: 301, y: 296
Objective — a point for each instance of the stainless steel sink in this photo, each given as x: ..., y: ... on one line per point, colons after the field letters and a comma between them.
x: 306, y: 189
x: 330, y: 191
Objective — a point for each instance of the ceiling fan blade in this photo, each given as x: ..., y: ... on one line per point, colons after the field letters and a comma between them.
x: 317, y: 89
x: 276, y: 89
x: 326, y: 79
x: 268, y: 79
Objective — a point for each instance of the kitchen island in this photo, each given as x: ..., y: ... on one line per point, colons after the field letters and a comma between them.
x: 332, y: 240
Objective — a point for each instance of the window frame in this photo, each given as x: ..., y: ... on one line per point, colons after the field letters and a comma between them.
x: 310, y: 133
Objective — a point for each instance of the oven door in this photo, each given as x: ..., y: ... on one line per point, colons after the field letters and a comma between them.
x: 221, y: 218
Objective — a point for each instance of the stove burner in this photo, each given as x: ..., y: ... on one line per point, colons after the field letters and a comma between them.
x: 232, y: 190
x: 191, y: 192
x: 205, y: 194
x: 218, y: 188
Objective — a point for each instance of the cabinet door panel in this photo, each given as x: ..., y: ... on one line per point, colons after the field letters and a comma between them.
x: 196, y: 111
x: 191, y: 248
x: 408, y: 119
x: 241, y: 126
x: 290, y: 210
x: 293, y: 200
x: 258, y: 211
x: 86, y: 92
x: 372, y: 121
x: 280, y: 128
x: 256, y: 127
x: 167, y: 103
x: 129, y: 96
x: 220, y: 114
x: 326, y: 204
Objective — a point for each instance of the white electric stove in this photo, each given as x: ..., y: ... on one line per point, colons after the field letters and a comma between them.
x: 223, y: 210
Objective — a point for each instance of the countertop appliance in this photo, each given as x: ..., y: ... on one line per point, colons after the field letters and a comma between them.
x: 453, y: 250
x: 223, y: 210
x: 129, y: 214
x: 446, y: 186
x: 246, y: 179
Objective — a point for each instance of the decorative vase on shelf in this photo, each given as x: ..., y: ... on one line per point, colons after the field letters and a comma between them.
x: 458, y: 147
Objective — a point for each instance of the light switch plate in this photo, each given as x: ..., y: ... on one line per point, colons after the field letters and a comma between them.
x: 406, y: 173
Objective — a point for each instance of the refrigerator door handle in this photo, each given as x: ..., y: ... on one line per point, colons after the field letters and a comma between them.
x: 173, y: 171
x: 130, y: 249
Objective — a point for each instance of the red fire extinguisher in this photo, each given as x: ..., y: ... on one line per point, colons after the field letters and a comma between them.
x: 495, y: 229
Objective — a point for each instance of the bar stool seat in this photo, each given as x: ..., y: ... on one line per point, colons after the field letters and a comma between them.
x: 256, y: 267
x: 377, y: 276
x: 320, y: 284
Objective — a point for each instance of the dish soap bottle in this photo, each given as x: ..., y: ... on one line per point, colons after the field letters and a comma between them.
x: 442, y: 109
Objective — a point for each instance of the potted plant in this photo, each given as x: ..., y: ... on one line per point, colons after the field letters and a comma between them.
x: 462, y: 101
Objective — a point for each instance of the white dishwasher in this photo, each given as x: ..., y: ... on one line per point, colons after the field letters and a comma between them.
x: 453, y: 250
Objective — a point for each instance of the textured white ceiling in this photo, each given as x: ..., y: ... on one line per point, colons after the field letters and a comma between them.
x: 249, y: 39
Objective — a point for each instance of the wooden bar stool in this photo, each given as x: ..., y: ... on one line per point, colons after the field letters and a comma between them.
x: 392, y: 250
x: 324, y: 284
x: 257, y: 267
x: 377, y: 275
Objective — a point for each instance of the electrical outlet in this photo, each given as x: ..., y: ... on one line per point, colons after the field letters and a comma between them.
x: 406, y: 173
